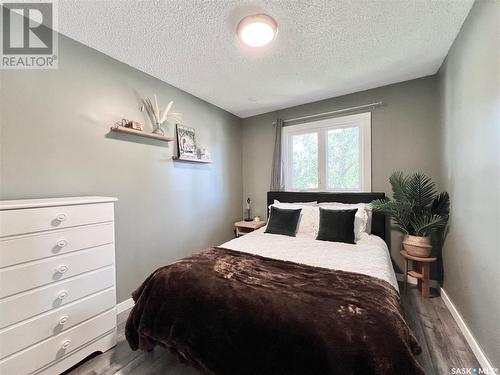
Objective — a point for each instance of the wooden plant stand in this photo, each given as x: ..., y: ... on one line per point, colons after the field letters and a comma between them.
x: 422, y: 276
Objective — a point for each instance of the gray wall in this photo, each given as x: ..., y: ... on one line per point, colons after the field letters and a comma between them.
x: 469, y: 84
x: 405, y: 136
x: 55, y: 142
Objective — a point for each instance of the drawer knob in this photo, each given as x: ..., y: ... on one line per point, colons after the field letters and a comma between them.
x: 62, y: 295
x: 65, y: 344
x: 61, y: 217
x: 62, y: 243
x: 63, y: 320
x: 62, y: 268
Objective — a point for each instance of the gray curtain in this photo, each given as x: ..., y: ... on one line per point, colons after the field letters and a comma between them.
x: 277, y: 183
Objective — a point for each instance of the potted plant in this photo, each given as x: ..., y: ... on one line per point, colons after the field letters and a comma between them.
x: 416, y: 209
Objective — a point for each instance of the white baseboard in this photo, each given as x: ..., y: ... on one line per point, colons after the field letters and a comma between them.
x: 124, y: 306
x: 469, y: 337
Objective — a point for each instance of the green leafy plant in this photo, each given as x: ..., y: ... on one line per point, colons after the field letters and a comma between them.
x: 416, y: 207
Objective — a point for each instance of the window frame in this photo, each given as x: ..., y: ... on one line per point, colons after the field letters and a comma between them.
x: 361, y: 120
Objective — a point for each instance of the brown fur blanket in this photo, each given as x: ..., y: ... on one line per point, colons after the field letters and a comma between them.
x: 228, y: 312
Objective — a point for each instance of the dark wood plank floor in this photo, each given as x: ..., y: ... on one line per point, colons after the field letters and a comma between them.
x: 443, y: 345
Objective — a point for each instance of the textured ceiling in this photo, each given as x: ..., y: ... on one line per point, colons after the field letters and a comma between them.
x: 323, y: 48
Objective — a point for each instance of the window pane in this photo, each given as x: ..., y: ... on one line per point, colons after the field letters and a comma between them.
x: 304, y: 161
x: 343, y: 164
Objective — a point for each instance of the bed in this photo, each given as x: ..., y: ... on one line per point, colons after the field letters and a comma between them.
x: 273, y: 304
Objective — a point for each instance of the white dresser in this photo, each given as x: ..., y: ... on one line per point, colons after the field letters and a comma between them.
x: 57, y: 282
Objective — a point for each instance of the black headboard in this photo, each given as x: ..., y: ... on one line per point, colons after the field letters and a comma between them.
x: 378, y: 219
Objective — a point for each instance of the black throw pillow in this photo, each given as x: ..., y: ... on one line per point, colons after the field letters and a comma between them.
x: 336, y: 225
x: 282, y: 221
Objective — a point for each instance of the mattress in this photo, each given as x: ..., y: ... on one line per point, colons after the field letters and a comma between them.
x: 271, y: 304
x: 370, y: 256
x: 231, y: 312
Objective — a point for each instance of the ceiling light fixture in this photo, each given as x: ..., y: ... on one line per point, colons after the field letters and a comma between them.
x: 257, y: 30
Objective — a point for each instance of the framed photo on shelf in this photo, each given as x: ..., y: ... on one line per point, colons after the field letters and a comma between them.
x: 186, y: 142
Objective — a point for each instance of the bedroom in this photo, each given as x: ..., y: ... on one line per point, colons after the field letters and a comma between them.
x: 136, y: 142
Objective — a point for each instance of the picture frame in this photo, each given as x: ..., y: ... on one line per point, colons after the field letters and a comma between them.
x: 186, y: 142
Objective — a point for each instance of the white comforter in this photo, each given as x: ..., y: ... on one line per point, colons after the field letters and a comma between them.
x: 369, y: 256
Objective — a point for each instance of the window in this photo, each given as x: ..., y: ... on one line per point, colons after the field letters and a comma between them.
x: 329, y: 155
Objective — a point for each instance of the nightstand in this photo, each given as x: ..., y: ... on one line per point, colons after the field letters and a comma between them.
x: 243, y: 227
x: 423, y: 275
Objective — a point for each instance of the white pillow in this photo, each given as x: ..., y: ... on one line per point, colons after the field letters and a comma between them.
x: 360, y: 219
x: 309, y: 216
x: 350, y: 206
x: 369, y: 213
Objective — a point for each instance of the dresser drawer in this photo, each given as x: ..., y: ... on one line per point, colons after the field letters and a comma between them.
x: 22, y: 335
x: 20, y: 249
x: 24, y: 305
x: 55, y: 348
x: 13, y: 222
x: 30, y: 275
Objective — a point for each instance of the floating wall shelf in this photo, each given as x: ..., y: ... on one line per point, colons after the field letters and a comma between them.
x: 122, y: 129
x: 176, y: 158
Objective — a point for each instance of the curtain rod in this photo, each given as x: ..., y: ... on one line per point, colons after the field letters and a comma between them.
x: 324, y: 114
